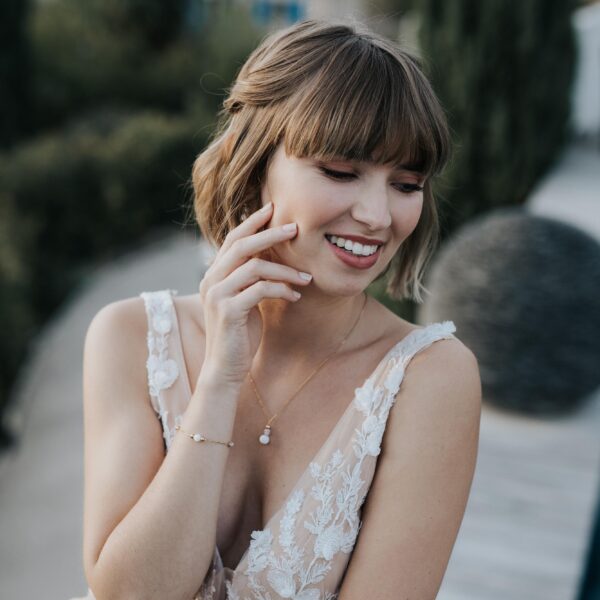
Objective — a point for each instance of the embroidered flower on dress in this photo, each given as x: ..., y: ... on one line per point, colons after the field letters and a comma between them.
x: 231, y: 593
x: 162, y: 373
x: 258, y: 555
x: 374, y: 440
x: 394, y: 378
x: 161, y: 322
x: 364, y: 397
x: 339, y: 484
x: 282, y: 582
x: 310, y: 594
x: 329, y: 541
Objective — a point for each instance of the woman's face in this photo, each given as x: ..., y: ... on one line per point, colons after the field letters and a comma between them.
x: 380, y: 203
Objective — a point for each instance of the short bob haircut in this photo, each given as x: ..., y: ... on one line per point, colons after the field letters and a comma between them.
x: 327, y: 90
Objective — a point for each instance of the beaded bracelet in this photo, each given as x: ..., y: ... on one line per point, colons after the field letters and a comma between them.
x: 200, y: 438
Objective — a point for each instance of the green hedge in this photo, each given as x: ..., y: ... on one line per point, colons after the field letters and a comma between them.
x: 503, y: 70
x: 80, y: 197
x: 123, y: 96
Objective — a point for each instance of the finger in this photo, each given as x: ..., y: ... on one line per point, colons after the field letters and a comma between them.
x: 249, y: 225
x: 252, y: 295
x: 243, y: 249
x: 255, y: 270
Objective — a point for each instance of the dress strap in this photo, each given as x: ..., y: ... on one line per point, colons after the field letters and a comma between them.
x: 401, y: 355
x: 168, y: 391
x: 422, y: 338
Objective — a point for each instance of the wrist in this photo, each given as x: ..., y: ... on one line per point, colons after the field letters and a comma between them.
x: 211, y: 381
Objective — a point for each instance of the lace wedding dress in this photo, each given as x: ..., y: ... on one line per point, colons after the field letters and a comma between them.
x: 304, y: 549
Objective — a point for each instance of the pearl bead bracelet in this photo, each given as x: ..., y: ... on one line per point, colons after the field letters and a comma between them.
x: 200, y: 438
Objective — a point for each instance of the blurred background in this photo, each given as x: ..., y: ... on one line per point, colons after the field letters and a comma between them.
x: 104, y: 105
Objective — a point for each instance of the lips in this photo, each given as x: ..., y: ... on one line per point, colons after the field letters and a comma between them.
x: 357, y: 238
x: 328, y: 237
x: 353, y: 260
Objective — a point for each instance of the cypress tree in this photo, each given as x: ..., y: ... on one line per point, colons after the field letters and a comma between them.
x: 503, y: 70
x: 14, y: 71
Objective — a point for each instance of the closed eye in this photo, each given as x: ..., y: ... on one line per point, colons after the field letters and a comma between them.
x: 406, y: 188
x: 409, y: 188
x: 337, y: 174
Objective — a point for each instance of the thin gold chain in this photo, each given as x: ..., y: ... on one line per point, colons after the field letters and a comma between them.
x: 272, y: 418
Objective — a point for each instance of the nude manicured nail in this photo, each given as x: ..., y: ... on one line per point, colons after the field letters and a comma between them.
x: 305, y: 276
x: 266, y: 207
x: 289, y: 227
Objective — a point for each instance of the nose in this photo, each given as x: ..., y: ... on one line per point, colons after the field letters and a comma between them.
x: 372, y: 208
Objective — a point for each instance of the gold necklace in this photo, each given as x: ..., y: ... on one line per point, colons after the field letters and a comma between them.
x: 265, y: 438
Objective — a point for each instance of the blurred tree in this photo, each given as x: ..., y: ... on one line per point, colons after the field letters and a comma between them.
x: 390, y: 7
x: 156, y: 22
x: 503, y: 71
x: 82, y: 62
x: 121, y: 104
x: 14, y: 70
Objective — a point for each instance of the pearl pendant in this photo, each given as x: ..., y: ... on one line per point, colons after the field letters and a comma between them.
x: 265, y: 438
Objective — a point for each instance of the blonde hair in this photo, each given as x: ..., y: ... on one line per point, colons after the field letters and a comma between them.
x: 330, y: 91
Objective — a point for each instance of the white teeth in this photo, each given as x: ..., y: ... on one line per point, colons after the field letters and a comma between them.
x: 353, y: 247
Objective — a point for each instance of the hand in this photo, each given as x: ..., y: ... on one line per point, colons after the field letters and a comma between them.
x: 232, y: 288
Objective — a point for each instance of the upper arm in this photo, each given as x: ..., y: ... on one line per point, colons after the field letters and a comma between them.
x: 421, y: 485
x: 123, y: 445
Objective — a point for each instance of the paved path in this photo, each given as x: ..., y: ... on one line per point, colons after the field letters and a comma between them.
x: 530, y: 478
x: 571, y: 193
x: 41, y: 485
x: 528, y: 522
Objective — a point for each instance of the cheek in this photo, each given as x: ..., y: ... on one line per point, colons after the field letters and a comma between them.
x: 406, y: 218
x: 311, y: 207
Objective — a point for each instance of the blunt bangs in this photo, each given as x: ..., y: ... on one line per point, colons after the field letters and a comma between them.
x: 367, y: 104
x: 329, y: 91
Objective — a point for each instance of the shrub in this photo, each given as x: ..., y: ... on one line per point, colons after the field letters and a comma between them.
x: 503, y: 70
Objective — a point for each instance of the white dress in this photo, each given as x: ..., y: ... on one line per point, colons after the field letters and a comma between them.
x: 304, y: 549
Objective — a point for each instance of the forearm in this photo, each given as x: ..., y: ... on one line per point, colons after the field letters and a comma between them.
x: 165, y: 544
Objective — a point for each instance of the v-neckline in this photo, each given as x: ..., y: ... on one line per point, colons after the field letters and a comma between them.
x: 402, y: 341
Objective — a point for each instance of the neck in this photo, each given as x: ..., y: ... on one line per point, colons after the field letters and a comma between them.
x: 307, y: 331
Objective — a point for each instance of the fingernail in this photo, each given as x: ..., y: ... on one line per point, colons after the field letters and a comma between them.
x: 266, y: 207
x: 306, y: 276
x: 289, y: 227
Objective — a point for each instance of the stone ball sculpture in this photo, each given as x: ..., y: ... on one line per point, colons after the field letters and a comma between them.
x: 524, y: 293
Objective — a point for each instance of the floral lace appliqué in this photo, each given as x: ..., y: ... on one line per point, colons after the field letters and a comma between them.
x: 318, y: 526
x: 334, y: 524
x: 338, y: 488
x: 162, y: 371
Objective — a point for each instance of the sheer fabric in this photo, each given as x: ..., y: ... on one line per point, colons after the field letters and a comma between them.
x: 304, y: 549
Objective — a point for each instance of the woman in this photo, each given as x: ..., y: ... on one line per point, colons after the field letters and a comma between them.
x: 282, y: 424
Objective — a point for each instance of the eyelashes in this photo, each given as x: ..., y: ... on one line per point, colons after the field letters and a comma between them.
x: 406, y: 188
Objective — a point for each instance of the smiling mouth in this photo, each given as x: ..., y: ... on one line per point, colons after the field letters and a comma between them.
x: 356, y: 250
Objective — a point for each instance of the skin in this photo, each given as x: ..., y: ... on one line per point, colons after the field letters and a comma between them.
x: 420, y: 489
x: 377, y: 201
x: 372, y: 200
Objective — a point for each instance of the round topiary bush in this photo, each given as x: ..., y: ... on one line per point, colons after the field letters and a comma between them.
x: 524, y: 293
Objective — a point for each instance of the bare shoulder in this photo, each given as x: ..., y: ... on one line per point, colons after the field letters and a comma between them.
x: 440, y: 394
x: 118, y: 466
x: 421, y: 485
x: 118, y: 330
x: 128, y: 312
